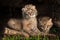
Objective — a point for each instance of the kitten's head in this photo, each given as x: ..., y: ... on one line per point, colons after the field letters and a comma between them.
x: 29, y: 10
x: 46, y: 23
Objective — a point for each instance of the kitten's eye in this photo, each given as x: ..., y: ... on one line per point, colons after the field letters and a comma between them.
x: 25, y: 14
x: 31, y: 9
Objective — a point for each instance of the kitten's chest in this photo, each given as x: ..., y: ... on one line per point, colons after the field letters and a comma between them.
x: 30, y: 23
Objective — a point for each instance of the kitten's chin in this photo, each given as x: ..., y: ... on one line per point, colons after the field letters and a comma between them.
x: 33, y: 16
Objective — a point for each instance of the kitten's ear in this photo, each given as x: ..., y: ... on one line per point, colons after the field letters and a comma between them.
x: 22, y: 9
x: 50, y: 20
x: 33, y: 7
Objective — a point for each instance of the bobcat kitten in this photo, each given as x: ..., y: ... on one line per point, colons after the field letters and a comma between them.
x: 30, y: 20
x: 28, y: 23
x: 45, y: 23
x: 15, y: 27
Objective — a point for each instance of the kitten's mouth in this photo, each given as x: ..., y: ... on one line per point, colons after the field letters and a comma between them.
x: 32, y: 15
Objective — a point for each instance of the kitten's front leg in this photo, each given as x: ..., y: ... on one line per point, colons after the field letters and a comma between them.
x: 14, y: 32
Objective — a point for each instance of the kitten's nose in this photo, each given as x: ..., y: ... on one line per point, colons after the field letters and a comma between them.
x: 29, y: 13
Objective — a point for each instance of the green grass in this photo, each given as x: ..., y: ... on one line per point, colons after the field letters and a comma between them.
x: 18, y: 37
x: 31, y: 38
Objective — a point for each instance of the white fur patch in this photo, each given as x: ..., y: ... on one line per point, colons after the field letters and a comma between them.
x: 33, y: 16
